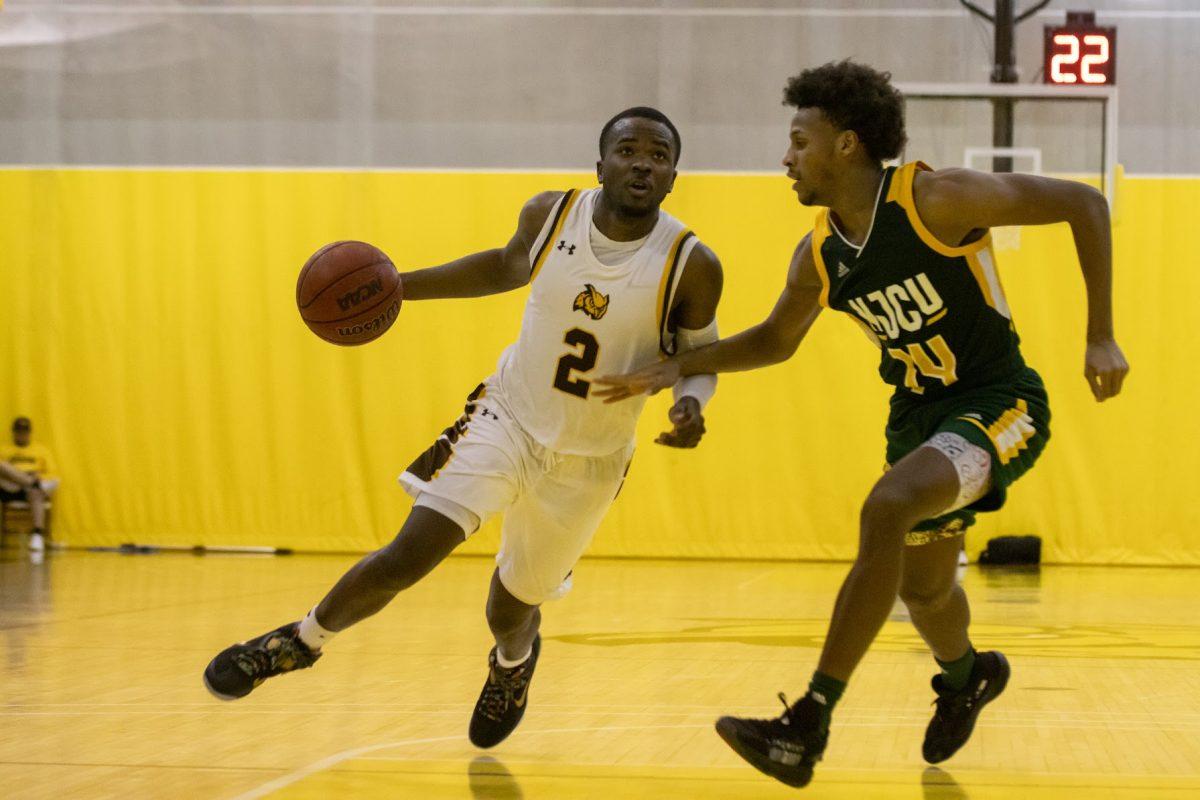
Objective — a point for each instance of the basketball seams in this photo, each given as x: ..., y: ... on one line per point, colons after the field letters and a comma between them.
x: 359, y: 312
x: 308, y: 265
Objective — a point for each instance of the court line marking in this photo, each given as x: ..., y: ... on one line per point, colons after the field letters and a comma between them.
x: 335, y: 759
x: 852, y: 770
x: 912, y: 720
x: 760, y: 576
x: 642, y: 709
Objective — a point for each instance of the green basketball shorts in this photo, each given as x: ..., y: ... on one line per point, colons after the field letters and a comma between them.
x: 1010, y: 420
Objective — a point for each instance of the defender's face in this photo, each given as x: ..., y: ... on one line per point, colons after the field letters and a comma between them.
x: 637, y: 170
x: 810, y: 159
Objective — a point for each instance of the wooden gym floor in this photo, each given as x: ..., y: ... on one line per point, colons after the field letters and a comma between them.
x: 101, y: 656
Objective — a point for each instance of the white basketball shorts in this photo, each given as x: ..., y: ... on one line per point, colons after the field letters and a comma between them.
x: 552, y: 502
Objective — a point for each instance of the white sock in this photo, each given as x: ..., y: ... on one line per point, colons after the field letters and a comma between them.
x: 311, y: 632
x: 504, y: 662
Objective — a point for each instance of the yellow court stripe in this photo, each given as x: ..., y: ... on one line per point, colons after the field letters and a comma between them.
x: 569, y: 201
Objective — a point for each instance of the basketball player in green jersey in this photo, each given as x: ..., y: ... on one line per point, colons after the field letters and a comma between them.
x: 906, y: 252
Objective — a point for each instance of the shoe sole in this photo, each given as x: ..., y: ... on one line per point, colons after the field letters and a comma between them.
x: 998, y: 685
x: 225, y: 697
x: 727, y: 730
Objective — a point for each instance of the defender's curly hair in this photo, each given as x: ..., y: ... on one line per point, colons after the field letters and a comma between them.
x: 855, y: 98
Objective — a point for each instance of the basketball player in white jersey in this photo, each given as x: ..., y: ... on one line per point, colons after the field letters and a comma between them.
x: 615, y: 281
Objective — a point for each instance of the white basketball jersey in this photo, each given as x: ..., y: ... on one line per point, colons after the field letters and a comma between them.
x: 584, y: 320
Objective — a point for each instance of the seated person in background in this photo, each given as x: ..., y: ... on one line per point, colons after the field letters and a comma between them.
x: 26, y: 471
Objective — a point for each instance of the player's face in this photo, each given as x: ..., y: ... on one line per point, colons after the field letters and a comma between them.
x: 20, y: 437
x: 810, y: 159
x: 637, y: 170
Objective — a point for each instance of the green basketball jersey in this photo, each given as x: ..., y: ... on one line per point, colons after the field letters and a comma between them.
x: 937, y: 312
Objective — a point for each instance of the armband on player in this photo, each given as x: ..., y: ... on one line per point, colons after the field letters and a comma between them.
x: 701, y: 387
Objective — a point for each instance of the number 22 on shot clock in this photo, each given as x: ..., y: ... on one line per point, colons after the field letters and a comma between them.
x: 1080, y: 53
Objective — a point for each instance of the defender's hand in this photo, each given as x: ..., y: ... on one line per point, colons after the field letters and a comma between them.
x: 689, y: 424
x: 650, y: 379
x: 1105, y: 368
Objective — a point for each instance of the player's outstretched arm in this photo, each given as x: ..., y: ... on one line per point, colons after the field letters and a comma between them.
x: 489, y: 272
x: 771, y: 341
x: 954, y: 203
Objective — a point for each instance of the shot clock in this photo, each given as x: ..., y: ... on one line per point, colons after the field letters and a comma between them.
x: 1080, y: 53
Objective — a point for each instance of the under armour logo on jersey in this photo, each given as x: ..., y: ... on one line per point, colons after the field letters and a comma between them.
x: 562, y: 245
x: 591, y: 302
x: 843, y: 270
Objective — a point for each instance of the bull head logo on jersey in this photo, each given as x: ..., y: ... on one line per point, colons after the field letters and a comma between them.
x: 591, y: 302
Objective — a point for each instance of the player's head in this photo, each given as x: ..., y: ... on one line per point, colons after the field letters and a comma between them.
x: 22, y: 429
x: 847, y: 115
x: 639, y: 149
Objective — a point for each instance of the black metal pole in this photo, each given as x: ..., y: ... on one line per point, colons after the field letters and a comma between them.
x: 1004, y: 70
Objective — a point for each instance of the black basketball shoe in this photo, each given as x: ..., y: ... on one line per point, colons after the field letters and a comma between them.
x: 956, y: 712
x: 237, y: 670
x: 502, y: 702
x: 786, y: 747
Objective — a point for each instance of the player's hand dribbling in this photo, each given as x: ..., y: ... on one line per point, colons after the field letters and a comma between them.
x: 650, y: 379
x: 689, y: 424
x: 1105, y: 368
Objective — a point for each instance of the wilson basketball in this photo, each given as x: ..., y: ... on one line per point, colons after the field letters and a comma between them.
x: 349, y: 293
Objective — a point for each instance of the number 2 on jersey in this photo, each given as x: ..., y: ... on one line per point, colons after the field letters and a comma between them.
x: 577, y: 362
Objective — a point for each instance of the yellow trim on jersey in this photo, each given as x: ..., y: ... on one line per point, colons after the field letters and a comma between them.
x: 894, y: 193
x: 570, y: 198
x: 985, y: 277
x: 663, y: 288
x: 820, y: 233
x: 981, y: 279
x: 901, y: 192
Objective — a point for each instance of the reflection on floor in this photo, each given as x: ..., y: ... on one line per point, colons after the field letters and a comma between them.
x: 101, y: 654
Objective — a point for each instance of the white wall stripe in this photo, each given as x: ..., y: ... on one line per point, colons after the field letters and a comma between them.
x: 552, y: 11
x: 479, y: 11
x: 569, y: 171
x: 263, y: 9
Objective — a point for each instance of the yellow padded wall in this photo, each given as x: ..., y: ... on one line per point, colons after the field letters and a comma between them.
x: 149, y: 329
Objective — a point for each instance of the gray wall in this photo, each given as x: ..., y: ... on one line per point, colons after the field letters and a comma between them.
x: 470, y: 83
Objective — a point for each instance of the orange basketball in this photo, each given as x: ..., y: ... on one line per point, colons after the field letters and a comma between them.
x: 349, y: 293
